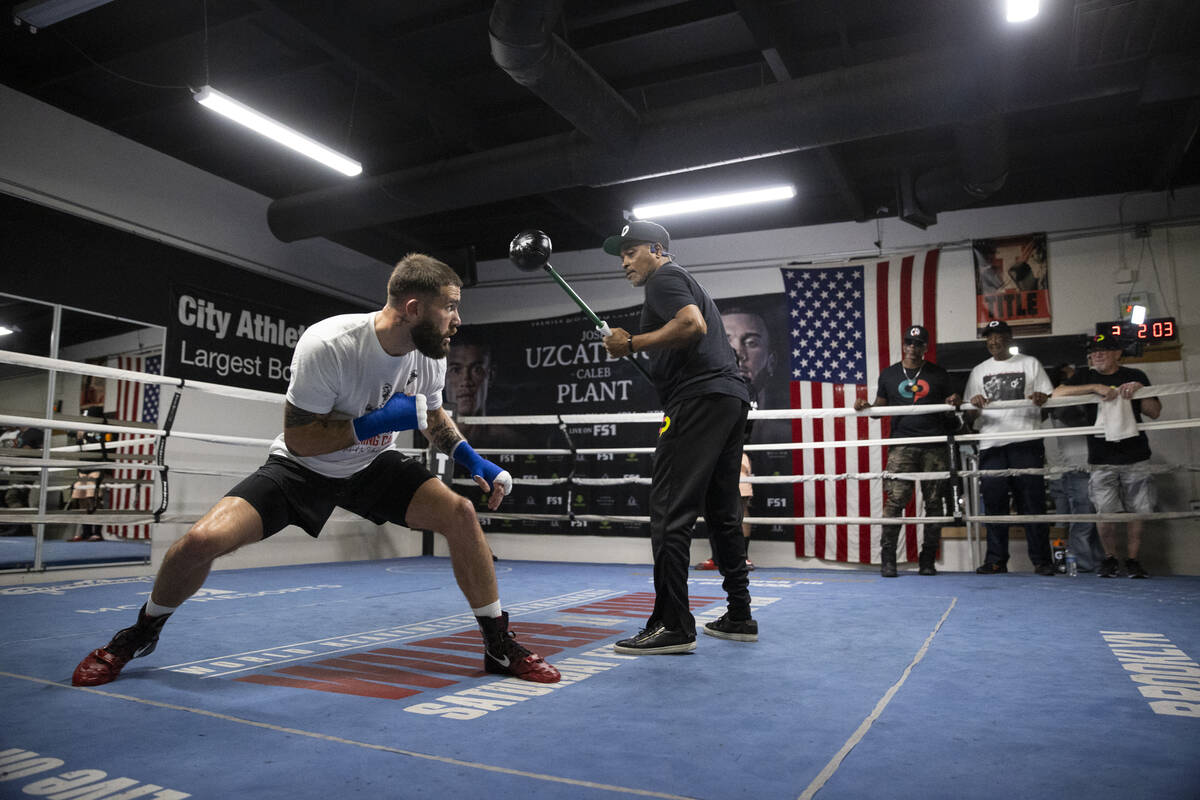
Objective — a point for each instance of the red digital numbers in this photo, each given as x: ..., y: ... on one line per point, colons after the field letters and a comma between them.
x: 1161, y: 329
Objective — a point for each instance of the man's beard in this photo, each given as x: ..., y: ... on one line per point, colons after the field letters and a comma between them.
x: 428, y: 340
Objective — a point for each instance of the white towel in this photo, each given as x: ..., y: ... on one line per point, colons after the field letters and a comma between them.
x: 1116, y: 417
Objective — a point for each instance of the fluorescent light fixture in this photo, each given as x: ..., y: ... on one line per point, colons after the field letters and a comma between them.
x: 44, y: 13
x: 1137, y: 315
x: 5, y: 330
x: 1021, y: 10
x: 244, y: 115
x: 713, y: 201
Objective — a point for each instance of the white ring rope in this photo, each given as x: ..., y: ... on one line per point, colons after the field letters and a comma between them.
x: 37, y: 464
x: 1158, y: 390
x: 115, y: 444
x: 214, y: 438
x: 13, y: 465
x: 78, y: 368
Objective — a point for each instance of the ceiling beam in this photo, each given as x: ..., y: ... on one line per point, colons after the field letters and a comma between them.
x: 756, y: 14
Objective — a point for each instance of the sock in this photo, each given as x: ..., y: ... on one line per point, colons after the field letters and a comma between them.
x: 490, y: 611
x: 746, y: 539
x: 153, y: 609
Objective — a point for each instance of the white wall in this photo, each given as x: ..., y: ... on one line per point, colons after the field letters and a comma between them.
x: 61, y: 161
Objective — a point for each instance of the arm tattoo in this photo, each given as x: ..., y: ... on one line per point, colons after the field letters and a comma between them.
x: 297, y: 417
x: 442, y: 431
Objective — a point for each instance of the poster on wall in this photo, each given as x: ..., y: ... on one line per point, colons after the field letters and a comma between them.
x: 229, y: 340
x: 757, y: 329
x: 1012, y: 283
x: 559, y: 366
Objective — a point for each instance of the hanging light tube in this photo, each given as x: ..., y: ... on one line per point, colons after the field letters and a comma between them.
x: 1021, y: 10
x: 244, y: 115
x: 765, y: 195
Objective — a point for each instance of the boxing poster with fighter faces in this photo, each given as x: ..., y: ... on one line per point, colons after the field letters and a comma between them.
x: 559, y: 366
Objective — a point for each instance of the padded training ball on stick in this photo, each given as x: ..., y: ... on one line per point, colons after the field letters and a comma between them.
x: 530, y: 250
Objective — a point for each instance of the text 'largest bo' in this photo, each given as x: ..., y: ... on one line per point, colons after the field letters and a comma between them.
x: 530, y: 250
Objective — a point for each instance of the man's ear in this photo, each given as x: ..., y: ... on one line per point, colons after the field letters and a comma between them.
x: 412, y: 307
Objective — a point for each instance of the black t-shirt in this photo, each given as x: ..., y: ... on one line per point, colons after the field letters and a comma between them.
x: 928, y: 385
x: 31, y: 437
x: 1126, y: 451
x: 707, y: 366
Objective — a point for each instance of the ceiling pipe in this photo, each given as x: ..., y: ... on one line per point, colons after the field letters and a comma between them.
x: 524, y: 46
x: 982, y: 149
x: 861, y: 102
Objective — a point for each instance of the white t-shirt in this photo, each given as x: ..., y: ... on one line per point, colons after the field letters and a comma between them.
x: 1015, y: 378
x: 340, y: 366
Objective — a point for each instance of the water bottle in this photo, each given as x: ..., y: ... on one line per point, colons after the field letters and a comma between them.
x: 1072, y: 565
x: 1058, y: 556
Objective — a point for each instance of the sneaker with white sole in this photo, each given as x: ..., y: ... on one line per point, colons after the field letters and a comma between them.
x: 738, y: 630
x: 656, y: 640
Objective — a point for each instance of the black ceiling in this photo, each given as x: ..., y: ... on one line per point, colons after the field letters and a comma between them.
x: 859, y: 104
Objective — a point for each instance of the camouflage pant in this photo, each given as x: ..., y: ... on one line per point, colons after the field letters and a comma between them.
x: 936, y: 493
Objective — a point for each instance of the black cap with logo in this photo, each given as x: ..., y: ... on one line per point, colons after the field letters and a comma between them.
x: 997, y: 326
x: 640, y: 231
x: 1103, y: 341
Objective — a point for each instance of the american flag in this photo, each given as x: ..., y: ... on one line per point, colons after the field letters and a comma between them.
x: 136, y: 402
x: 845, y: 328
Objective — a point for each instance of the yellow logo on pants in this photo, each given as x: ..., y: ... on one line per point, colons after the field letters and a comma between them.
x: 666, y: 424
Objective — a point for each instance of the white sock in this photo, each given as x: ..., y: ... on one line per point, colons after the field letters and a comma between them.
x: 491, y: 610
x: 153, y: 609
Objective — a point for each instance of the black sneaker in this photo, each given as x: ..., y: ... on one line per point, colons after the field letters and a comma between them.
x: 1133, y: 568
x: 1044, y: 569
x: 1109, y: 567
x: 739, y: 630
x: 991, y: 568
x: 656, y: 640
x: 888, y: 569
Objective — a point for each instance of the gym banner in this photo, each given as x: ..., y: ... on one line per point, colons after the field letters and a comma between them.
x: 559, y: 366
x: 1012, y: 283
x: 229, y: 340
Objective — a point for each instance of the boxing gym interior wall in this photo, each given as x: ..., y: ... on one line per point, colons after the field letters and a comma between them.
x: 65, y: 164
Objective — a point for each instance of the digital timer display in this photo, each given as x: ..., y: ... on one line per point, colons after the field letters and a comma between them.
x: 1159, y: 329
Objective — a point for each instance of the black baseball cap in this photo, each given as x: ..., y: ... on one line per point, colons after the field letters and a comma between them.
x: 641, y: 231
x: 996, y: 326
x: 1102, y: 341
x: 916, y: 333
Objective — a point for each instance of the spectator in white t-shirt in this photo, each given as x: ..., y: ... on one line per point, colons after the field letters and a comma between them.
x: 1009, y: 376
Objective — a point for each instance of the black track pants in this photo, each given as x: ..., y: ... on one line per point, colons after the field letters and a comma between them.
x: 697, y: 466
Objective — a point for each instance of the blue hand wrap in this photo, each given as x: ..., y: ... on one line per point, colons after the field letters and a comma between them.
x: 476, y: 464
x: 401, y: 412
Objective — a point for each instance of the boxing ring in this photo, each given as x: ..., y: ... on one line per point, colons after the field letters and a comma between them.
x: 963, y: 474
x: 363, y: 678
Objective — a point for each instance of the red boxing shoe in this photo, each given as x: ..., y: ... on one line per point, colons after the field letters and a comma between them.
x: 503, y: 655
x: 529, y: 667
x: 104, y: 665
x: 98, y: 668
